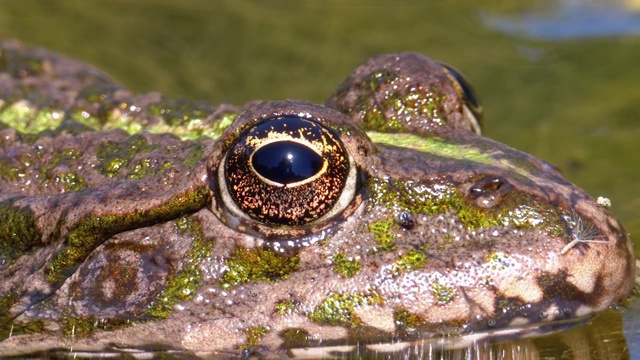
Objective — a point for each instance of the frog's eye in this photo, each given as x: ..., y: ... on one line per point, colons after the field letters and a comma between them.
x: 287, y: 171
x: 464, y: 88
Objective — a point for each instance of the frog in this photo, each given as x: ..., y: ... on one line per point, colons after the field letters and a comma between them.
x: 137, y: 221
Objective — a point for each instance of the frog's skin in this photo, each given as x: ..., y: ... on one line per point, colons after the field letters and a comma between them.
x: 118, y: 230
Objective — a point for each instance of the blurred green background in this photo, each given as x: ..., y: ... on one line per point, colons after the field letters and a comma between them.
x: 573, y: 101
x: 558, y: 79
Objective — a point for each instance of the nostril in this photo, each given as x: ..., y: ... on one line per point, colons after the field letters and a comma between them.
x: 486, y: 187
x: 489, y: 192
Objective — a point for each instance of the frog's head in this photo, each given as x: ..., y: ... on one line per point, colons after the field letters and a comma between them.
x: 382, y: 212
x: 403, y: 197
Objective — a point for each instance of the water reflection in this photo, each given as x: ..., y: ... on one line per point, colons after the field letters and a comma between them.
x: 571, y: 19
x: 631, y: 316
x: 600, y: 338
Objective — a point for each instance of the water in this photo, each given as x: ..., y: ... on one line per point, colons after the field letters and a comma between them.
x: 557, y: 79
x: 573, y: 19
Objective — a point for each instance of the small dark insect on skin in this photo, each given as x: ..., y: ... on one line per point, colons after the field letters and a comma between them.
x: 405, y: 220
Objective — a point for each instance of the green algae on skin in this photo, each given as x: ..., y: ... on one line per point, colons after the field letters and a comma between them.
x: 114, y: 156
x: 180, y: 286
x: 412, y: 260
x: 247, y: 265
x: 70, y: 180
x: 7, y: 300
x: 338, y: 308
x: 430, y: 198
x: 443, y: 293
x: 345, y: 266
x: 451, y: 150
x: 8, y: 327
x: 97, y: 109
x: 19, y: 232
x: 92, y: 231
x: 85, y: 326
x: 406, y: 319
x: 195, y: 155
x: 148, y: 167
x: 9, y: 171
x: 254, y: 334
x: 286, y: 306
x: 186, y: 119
x: 19, y: 64
x: 417, y: 101
x: 27, y: 118
x: 373, y: 116
x: 295, y: 337
x: 384, y: 233
x: 183, y: 285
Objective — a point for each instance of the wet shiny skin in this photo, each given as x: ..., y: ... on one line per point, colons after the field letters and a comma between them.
x: 126, y: 237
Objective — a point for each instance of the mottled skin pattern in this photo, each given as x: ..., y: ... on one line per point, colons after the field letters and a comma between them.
x: 121, y: 239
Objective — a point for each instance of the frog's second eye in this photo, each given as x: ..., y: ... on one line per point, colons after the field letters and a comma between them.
x: 464, y: 88
x: 287, y: 171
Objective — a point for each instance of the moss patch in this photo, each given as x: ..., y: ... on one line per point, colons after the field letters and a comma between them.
x: 183, y: 285
x: 18, y: 233
x: 25, y: 117
x: 444, y: 293
x: 337, y: 309
x: 286, y: 306
x: 384, y: 233
x: 85, y: 326
x: 295, y: 337
x: 387, y: 111
x: 114, y: 156
x: 345, y: 266
x: 518, y: 210
x: 406, y: 319
x: 412, y: 260
x: 186, y: 119
x: 255, y: 334
x: 92, y: 231
x: 70, y: 180
x: 6, y: 320
x: 246, y: 265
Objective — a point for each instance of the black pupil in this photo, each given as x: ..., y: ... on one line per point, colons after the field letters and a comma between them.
x: 286, y: 162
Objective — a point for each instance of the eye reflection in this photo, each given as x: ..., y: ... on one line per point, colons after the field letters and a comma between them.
x: 286, y: 162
